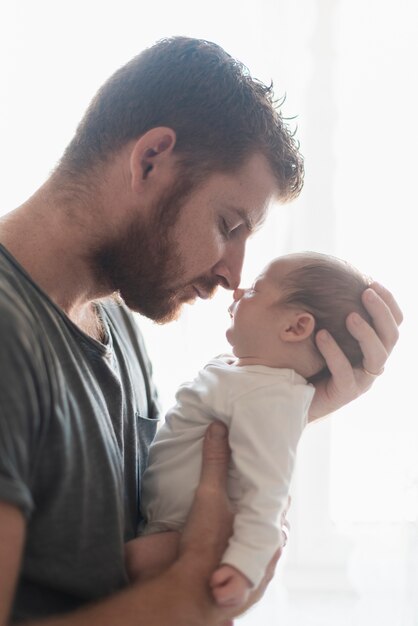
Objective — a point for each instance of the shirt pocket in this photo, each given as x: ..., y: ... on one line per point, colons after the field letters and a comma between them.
x: 147, y: 429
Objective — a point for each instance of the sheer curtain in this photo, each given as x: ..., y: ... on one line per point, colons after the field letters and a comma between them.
x: 348, y: 69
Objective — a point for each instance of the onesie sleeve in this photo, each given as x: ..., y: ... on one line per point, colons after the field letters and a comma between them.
x: 265, y: 429
x: 19, y: 409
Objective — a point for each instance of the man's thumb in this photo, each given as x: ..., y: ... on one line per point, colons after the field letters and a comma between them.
x: 215, y: 456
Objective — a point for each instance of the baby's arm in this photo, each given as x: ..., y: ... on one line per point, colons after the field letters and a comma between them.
x: 149, y: 555
x: 264, y: 433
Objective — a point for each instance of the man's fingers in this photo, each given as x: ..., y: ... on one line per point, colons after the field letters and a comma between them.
x: 347, y: 383
x: 374, y: 351
x: 384, y: 320
x: 259, y: 591
x: 209, y: 523
x: 389, y: 300
x: 215, y: 457
x: 336, y: 361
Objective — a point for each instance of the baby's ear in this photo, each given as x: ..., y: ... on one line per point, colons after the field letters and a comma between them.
x: 299, y: 326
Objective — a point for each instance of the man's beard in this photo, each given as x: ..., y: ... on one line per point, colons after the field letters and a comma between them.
x: 144, y: 266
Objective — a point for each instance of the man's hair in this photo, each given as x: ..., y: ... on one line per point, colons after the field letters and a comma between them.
x: 329, y: 289
x: 220, y: 114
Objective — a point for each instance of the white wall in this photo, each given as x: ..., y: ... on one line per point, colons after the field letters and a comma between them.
x: 349, y: 71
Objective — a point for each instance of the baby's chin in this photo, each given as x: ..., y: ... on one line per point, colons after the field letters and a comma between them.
x: 235, y: 350
x: 228, y: 335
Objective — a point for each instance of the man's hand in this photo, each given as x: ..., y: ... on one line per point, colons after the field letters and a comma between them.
x: 181, y: 594
x: 199, y: 549
x: 256, y: 594
x: 209, y: 527
x: 346, y: 383
x: 203, y: 541
x: 209, y: 524
x: 12, y: 540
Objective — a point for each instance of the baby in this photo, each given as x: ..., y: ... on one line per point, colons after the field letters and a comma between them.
x: 262, y: 394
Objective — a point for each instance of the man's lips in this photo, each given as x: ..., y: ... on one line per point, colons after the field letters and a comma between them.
x: 201, y: 293
x: 206, y: 289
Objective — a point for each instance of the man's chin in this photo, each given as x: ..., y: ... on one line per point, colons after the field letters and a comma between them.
x: 175, y: 311
x: 171, y: 316
x: 163, y: 314
x: 155, y: 311
x: 167, y: 309
x: 172, y: 313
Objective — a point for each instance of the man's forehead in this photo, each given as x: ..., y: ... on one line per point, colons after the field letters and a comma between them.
x: 257, y: 183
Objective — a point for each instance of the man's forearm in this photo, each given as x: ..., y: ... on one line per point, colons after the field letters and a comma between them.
x: 175, y: 597
x: 181, y: 595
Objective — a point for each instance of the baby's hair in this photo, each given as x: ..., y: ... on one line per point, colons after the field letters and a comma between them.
x: 329, y: 289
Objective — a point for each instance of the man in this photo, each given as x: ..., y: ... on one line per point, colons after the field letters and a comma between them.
x: 174, y: 164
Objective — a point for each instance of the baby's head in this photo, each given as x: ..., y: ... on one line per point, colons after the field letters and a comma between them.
x: 275, y: 321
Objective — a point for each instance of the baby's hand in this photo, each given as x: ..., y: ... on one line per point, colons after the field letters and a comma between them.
x: 229, y: 586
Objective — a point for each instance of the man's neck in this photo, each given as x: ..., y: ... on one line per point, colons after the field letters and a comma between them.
x: 51, y: 243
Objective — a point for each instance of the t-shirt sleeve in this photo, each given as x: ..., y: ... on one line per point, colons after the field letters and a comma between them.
x: 19, y: 409
x: 265, y: 430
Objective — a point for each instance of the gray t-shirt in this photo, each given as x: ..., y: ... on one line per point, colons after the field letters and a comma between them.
x: 76, y: 419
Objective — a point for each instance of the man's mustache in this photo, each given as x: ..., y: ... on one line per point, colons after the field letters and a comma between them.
x: 207, y: 285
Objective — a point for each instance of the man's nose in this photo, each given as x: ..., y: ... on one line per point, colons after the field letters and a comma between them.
x: 228, y: 269
x: 237, y: 295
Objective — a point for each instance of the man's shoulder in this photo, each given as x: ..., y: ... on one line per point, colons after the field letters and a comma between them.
x: 19, y: 318
x: 18, y: 332
x: 21, y: 360
x: 14, y: 310
x: 14, y: 291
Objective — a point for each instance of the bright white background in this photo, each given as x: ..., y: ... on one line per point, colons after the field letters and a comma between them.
x: 348, y: 68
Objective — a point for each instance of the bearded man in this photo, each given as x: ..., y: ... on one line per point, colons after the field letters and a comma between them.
x: 175, y: 163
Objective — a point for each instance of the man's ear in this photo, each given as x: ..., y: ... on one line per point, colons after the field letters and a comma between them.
x: 150, y: 154
x: 298, y: 326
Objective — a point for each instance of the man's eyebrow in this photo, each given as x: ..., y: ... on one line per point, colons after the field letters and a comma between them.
x: 251, y: 225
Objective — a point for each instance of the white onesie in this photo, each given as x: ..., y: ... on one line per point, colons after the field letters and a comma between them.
x: 265, y: 410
